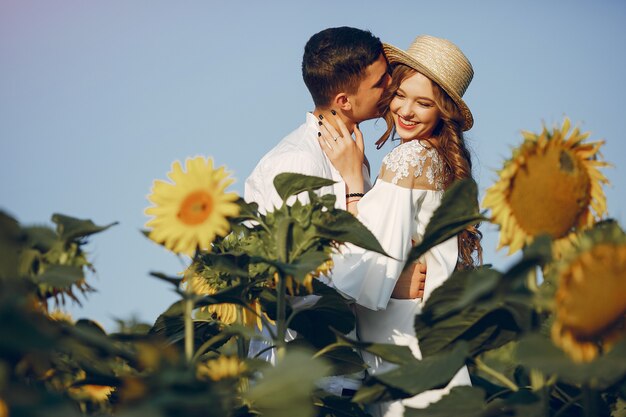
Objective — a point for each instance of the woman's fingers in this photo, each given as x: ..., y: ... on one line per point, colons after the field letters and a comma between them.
x: 358, y: 138
x: 341, y: 125
x: 328, y: 127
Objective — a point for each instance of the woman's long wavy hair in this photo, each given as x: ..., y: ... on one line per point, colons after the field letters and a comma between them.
x: 450, y: 145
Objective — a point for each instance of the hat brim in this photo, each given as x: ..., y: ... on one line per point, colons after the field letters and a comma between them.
x: 398, y: 56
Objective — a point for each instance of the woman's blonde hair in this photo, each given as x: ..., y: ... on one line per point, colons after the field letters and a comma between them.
x: 450, y: 146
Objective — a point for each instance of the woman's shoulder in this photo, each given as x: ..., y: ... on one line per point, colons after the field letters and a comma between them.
x: 413, y: 164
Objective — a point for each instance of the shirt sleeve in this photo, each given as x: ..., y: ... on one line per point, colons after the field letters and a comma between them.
x: 394, y: 210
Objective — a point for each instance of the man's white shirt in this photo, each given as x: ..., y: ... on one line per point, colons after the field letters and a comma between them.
x: 298, y: 152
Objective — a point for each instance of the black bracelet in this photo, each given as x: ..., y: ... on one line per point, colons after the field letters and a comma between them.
x: 354, y: 195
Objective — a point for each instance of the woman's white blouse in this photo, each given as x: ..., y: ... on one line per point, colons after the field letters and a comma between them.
x: 396, y: 210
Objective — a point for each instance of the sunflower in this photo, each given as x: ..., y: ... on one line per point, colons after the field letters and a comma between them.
x: 191, y: 211
x: 295, y: 288
x: 551, y: 186
x: 226, y: 312
x: 222, y: 368
x: 4, y: 409
x: 590, y: 302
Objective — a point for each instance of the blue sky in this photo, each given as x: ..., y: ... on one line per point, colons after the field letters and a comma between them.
x: 97, y: 99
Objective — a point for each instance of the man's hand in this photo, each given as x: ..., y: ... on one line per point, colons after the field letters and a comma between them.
x: 411, y: 283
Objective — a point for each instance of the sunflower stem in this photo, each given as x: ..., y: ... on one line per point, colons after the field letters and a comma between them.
x: 482, y: 366
x: 283, y: 245
x: 590, y: 402
x: 188, y: 318
x: 281, y: 324
x: 241, y: 348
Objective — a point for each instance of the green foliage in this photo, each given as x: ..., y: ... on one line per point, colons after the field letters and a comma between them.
x: 495, y: 321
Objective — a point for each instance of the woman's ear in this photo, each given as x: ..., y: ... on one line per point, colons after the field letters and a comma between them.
x: 341, y: 101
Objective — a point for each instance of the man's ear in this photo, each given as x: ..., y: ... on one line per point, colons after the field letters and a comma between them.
x: 342, y: 102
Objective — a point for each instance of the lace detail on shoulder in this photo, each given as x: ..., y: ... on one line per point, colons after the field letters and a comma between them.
x: 413, y: 161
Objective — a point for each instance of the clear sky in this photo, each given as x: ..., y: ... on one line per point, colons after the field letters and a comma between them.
x: 98, y: 98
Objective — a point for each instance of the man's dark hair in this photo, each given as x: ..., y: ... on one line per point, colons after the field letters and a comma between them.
x: 335, y: 59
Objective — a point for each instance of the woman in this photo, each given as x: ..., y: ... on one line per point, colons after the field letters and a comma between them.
x: 424, y: 106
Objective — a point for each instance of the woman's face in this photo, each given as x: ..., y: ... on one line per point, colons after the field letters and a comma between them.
x: 413, y: 107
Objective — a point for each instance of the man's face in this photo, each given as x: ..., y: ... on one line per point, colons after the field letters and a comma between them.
x: 365, y: 100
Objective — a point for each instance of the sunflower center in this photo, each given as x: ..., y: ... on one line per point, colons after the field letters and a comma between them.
x: 550, y: 192
x: 195, y: 208
x: 591, y: 297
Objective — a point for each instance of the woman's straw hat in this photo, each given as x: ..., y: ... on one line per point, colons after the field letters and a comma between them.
x: 442, y: 62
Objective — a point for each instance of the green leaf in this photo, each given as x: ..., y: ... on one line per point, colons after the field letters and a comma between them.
x: 458, y: 209
x: 301, y: 266
x: 234, y: 263
x: 538, y: 352
x: 175, y: 281
x: 41, y: 238
x: 11, y: 241
x: 342, y: 226
x: 247, y: 211
x: 60, y: 276
x: 418, y: 376
x: 461, y: 290
x: 391, y: 353
x: 285, y: 390
x: 70, y: 228
x: 469, y: 402
x: 460, y: 402
x: 344, y: 359
x: 315, y: 323
x: 332, y: 406
x: 483, y: 328
x: 172, y: 328
x: 289, y: 183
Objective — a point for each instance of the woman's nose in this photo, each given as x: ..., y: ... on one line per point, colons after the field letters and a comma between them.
x: 406, y: 110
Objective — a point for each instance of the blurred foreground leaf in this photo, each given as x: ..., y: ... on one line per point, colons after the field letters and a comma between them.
x: 285, y: 390
x: 458, y: 209
x: 538, y: 352
x: 70, y: 228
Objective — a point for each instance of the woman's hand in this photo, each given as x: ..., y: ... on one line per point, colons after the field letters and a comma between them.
x: 344, y: 153
x: 411, y: 283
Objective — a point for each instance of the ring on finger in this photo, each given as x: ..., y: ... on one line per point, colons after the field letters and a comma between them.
x: 335, y: 138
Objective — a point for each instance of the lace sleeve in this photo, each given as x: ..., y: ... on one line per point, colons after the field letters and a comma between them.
x: 413, y: 165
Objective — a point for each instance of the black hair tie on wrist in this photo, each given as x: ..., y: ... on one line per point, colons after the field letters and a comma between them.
x: 354, y: 195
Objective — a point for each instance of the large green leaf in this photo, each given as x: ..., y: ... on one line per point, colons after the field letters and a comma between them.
x: 459, y: 291
x: 538, y: 352
x: 469, y: 402
x: 460, y: 402
x: 418, y: 376
x: 344, y: 360
x: 285, y: 390
x: 315, y: 323
x: 290, y: 183
x: 342, y: 226
x: 391, y: 353
x: 458, y: 209
x: 484, y: 328
x: 70, y: 228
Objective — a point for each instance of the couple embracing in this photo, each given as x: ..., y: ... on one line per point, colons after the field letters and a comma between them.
x: 353, y: 77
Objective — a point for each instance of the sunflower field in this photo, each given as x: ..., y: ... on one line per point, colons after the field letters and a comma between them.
x: 544, y: 337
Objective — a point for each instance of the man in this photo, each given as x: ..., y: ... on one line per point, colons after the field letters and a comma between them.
x: 346, y: 73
